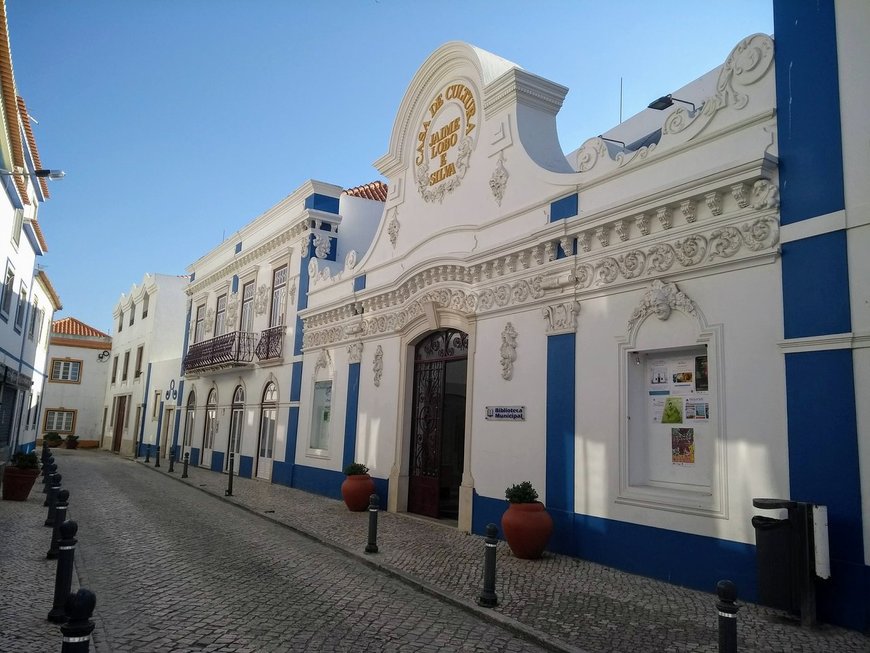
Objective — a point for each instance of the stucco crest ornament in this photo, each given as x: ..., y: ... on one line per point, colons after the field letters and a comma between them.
x: 642, y: 222
x: 688, y: 209
x: 393, y: 228
x: 350, y: 260
x: 508, y: 351
x: 660, y: 299
x: 498, y: 181
x: 313, y: 269
x: 738, y: 192
x: 209, y: 320
x: 354, y: 352
x: 324, y: 360
x: 261, y: 301
x: 445, y: 141
x: 765, y: 195
x: 232, y: 310
x: 322, y: 245
x: 291, y: 292
x: 303, y: 244
x: 561, y: 318
x: 378, y: 366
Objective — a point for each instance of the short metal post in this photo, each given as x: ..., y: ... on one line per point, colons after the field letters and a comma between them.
x: 45, y: 453
x: 229, y: 490
x: 77, y: 630
x: 51, y: 498
x: 59, y: 518
x: 171, y: 469
x: 63, y: 576
x: 372, y: 546
x: 186, y: 463
x: 727, y: 592
x: 47, y: 471
x: 488, y: 598
x: 157, y: 457
x: 147, y: 454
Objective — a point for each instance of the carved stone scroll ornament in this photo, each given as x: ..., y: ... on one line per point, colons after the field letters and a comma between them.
x: 291, y: 293
x: 393, y: 228
x: 378, y: 366
x: 765, y: 195
x: 232, y: 310
x: 508, y: 351
x: 561, y: 318
x: 261, y: 302
x: 660, y: 299
x: 209, y: 319
x: 354, y: 352
x: 499, y: 179
x: 324, y: 360
x: 350, y: 260
x: 322, y: 245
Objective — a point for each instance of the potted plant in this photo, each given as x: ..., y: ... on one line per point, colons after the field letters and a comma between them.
x: 53, y: 439
x: 72, y: 442
x: 20, y: 475
x: 527, y: 526
x: 357, y: 487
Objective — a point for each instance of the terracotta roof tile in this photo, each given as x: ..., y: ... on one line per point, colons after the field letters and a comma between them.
x: 42, y: 277
x: 38, y: 230
x: 10, y: 105
x: 376, y: 190
x: 69, y: 326
x: 31, y: 143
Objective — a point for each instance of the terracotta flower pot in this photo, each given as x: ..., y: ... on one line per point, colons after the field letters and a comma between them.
x: 17, y: 483
x: 356, y: 490
x: 527, y: 527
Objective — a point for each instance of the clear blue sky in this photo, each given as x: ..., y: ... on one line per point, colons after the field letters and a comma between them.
x: 179, y: 121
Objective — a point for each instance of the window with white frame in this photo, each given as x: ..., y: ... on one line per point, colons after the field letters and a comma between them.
x: 237, y: 420
x: 220, y: 318
x: 210, y: 426
x: 66, y: 370
x: 132, y: 313
x: 199, y: 329
x: 139, y: 353
x: 279, y: 296
x: 268, y: 420
x: 156, y: 405
x: 114, y: 370
x: 320, y: 416
x: 126, y: 365
x: 8, y: 290
x: 40, y: 322
x: 247, y: 323
x: 21, y: 311
x: 121, y: 322
x: 60, y: 420
x: 34, y: 316
x: 189, y: 419
x: 145, y: 306
x: 17, y: 224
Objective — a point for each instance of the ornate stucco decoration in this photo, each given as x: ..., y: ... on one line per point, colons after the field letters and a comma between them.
x: 659, y: 300
x: 378, y: 366
x: 350, y: 260
x: 765, y: 195
x: 354, y: 352
x: 322, y: 245
x: 603, y: 235
x: 209, y: 319
x: 445, y: 141
x: 714, y: 202
x: 499, y: 179
x: 313, y: 269
x: 687, y: 207
x: 324, y: 360
x: 508, y: 351
x: 291, y: 293
x: 561, y: 318
x: 623, y: 228
x: 303, y: 245
x: 261, y: 301
x: 393, y: 228
x: 642, y: 222
x: 232, y: 311
x: 663, y: 213
x: 738, y: 192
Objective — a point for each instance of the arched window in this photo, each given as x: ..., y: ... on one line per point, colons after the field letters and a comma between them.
x: 210, y: 425
x: 189, y: 417
x: 268, y: 420
x: 236, y: 422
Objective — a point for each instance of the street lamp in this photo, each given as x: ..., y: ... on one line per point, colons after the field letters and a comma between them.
x: 667, y: 100
x: 41, y: 173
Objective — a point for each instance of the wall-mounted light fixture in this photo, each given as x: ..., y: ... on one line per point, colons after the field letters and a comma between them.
x: 41, y: 173
x: 611, y: 140
x: 103, y: 355
x: 667, y: 100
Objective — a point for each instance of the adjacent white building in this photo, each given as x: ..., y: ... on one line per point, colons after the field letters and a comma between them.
x: 78, y: 365
x: 145, y: 363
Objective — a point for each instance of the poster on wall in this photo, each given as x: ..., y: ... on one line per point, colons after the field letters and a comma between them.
x: 657, y: 407
x: 673, y: 410
x: 697, y: 409
x: 702, y: 384
x: 658, y: 374
x: 683, y: 446
x: 683, y: 376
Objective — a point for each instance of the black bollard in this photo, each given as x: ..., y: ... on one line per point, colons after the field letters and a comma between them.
x: 148, y: 454
x: 186, y: 462
x: 51, y: 498
x: 488, y: 598
x: 63, y: 577
x: 171, y: 469
x: 45, y: 452
x: 157, y: 457
x: 229, y: 490
x: 372, y: 546
x: 727, y: 592
x: 59, y: 518
x: 77, y: 630
x: 47, y: 471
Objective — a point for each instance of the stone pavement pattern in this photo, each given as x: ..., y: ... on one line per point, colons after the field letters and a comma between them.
x: 176, y: 570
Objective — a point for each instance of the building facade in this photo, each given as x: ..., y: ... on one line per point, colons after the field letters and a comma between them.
x: 242, y: 365
x: 78, y: 364
x: 145, y: 362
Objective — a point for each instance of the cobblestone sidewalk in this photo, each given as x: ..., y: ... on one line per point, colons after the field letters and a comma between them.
x: 563, y: 603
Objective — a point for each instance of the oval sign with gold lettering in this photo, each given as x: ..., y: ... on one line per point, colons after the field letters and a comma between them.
x: 445, y: 141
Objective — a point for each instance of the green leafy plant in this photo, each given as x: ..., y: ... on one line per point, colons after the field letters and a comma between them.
x: 23, y: 460
x: 521, y: 493
x: 72, y: 438
x: 355, y: 469
x: 53, y: 438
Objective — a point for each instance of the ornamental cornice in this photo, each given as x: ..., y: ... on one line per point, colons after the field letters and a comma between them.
x: 517, y: 86
x: 247, y: 258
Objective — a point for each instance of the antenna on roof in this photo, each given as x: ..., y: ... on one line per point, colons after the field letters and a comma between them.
x: 620, y: 100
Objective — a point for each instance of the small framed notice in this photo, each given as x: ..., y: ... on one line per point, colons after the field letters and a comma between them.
x: 506, y: 413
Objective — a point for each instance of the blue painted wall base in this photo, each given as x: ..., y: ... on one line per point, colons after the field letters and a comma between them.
x: 282, y: 473
x: 246, y: 466
x: 327, y: 483
x: 194, y: 456
x: 217, y: 461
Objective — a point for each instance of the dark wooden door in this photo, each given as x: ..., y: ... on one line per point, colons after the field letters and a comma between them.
x: 119, y: 423
x: 433, y: 475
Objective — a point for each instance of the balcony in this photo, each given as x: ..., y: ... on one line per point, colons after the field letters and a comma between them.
x: 234, y: 349
x: 271, y: 346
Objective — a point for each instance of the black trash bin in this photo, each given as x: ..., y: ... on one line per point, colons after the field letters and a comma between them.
x: 778, y: 584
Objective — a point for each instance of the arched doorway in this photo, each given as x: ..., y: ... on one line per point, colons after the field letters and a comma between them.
x: 268, y: 427
x: 209, y: 427
x: 438, y: 424
x: 237, y: 415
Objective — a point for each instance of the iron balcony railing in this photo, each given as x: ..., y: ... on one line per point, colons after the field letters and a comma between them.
x: 271, y: 345
x: 230, y: 349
